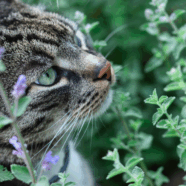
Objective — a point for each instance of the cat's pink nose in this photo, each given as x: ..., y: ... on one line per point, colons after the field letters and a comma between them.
x: 107, y: 72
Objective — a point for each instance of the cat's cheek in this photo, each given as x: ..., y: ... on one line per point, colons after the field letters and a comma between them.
x: 105, y: 105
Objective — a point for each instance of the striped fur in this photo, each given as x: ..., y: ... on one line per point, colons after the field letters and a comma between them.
x: 35, y: 41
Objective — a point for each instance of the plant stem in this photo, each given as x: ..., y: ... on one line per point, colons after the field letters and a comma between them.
x: 27, y: 160
x: 127, y: 148
x: 123, y: 122
x: 14, y: 125
x: 145, y: 170
x: 40, y: 174
x: 130, y: 174
x: 142, y: 164
x: 16, y: 106
x: 171, y: 121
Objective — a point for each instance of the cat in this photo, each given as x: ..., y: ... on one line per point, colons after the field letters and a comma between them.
x: 68, y: 81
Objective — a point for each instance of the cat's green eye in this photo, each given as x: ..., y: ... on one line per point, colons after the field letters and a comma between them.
x: 47, y: 78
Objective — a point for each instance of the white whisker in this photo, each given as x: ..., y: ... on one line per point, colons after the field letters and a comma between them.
x: 80, y: 129
x: 91, y: 130
x: 84, y: 132
x: 112, y: 49
x: 48, y: 144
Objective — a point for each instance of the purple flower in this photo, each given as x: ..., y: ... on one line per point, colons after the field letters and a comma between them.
x: 18, y: 152
x: 19, y: 87
x: 49, y: 160
x: 2, y: 50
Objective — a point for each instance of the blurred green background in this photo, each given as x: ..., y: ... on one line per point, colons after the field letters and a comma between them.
x: 131, y: 48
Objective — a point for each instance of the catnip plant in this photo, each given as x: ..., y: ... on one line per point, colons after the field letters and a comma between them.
x: 170, y: 44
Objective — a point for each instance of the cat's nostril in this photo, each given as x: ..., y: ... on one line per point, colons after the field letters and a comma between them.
x: 105, y: 72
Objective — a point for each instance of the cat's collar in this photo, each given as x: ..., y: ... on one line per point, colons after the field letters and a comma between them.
x: 64, y: 167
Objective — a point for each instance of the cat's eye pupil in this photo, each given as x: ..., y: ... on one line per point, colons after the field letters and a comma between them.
x: 47, y: 78
x: 47, y: 75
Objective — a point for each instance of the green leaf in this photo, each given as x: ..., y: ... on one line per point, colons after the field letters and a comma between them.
x: 119, y: 168
x: 169, y: 47
x: 182, y: 146
x: 183, y: 160
x: 63, y: 177
x: 184, y: 178
x: 22, y: 105
x: 90, y: 27
x: 115, y: 172
x: 175, y: 86
x: 158, y: 176
x: 153, y: 63
x: 164, y: 36
x: 153, y: 99
x: 43, y: 181
x: 183, y: 111
x: 56, y: 184
x: 162, y: 99
x: 135, y: 112
x: 117, y: 68
x: 132, y: 162
x: 21, y: 173
x: 157, y: 115
x: 2, y: 66
x: 118, y: 143
x: 112, y: 155
x: 138, y: 175
x: 182, y: 126
x: 167, y: 103
x: 180, y: 150
x: 178, y: 49
x: 151, y: 28
x: 176, y: 14
x: 163, y: 124
x: 70, y: 184
x: 182, y: 32
x: 98, y: 44
x: 132, y: 143
x: 170, y: 133
x: 80, y: 17
x: 183, y: 98
x: 5, y: 175
x: 144, y: 141
x: 157, y: 53
x: 135, y: 125
x: 4, y: 121
x: 181, y: 62
x: 175, y: 74
x: 138, y: 172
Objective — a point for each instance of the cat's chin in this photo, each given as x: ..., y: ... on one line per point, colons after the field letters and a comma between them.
x: 105, y: 105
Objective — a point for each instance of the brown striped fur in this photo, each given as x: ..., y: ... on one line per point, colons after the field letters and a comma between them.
x: 34, y: 41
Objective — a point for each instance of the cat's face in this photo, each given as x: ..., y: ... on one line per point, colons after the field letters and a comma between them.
x: 61, y: 67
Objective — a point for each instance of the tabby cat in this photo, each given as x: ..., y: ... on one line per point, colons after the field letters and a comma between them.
x: 67, y: 80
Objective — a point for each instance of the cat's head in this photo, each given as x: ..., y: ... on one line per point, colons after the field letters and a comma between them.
x: 67, y: 79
